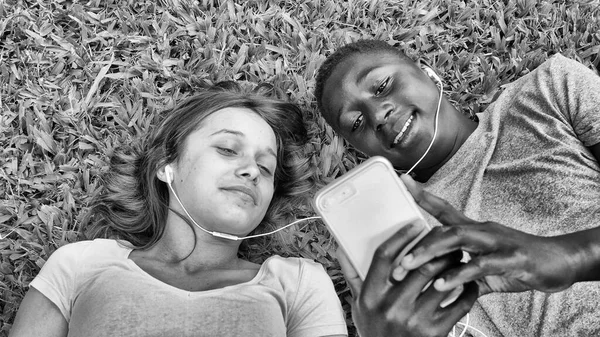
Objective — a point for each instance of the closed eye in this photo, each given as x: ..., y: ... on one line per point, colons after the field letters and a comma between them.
x: 265, y: 170
x: 382, y: 86
x: 226, y: 151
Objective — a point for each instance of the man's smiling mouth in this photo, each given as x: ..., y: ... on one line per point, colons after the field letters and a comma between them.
x: 402, y: 132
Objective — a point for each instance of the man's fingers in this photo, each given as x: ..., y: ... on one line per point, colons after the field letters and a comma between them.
x: 462, y: 305
x: 385, y: 258
x: 435, y: 206
x: 349, y: 272
x: 419, y: 279
x: 477, y: 268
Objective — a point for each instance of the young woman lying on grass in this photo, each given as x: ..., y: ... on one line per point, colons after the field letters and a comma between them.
x: 517, y: 187
x: 222, y: 162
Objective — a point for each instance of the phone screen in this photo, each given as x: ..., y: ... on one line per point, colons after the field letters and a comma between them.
x: 364, y: 207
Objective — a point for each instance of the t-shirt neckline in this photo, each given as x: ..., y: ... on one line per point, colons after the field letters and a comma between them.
x: 128, y: 249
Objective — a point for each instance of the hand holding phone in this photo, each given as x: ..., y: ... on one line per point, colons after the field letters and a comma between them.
x: 384, y: 308
x: 364, y: 207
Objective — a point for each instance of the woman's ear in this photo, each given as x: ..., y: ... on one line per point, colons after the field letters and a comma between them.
x: 165, y: 174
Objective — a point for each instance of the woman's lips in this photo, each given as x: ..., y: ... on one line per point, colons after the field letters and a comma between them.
x: 243, y: 192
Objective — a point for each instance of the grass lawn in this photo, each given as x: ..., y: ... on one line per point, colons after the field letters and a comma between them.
x: 79, y: 78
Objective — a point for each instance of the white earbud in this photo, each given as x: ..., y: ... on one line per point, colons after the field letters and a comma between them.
x: 433, y: 75
x: 169, y: 174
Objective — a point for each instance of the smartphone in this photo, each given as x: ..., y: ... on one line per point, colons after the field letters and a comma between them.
x: 365, y: 207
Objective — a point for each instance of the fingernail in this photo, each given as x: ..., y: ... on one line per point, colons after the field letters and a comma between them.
x: 439, y: 284
x: 426, y: 286
x: 399, y: 273
x: 407, y: 259
x: 454, y: 294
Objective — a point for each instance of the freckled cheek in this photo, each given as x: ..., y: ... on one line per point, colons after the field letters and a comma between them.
x: 192, y: 171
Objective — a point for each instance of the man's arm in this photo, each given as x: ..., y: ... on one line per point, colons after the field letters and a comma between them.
x: 596, y: 151
x: 503, y: 259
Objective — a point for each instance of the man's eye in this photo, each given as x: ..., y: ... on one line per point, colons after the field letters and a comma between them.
x: 382, y: 86
x: 357, y: 122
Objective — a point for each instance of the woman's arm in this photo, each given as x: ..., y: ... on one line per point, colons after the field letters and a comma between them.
x: 38, y: 316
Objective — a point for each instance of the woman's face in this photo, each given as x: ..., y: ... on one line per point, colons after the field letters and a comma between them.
x: 384, y: 105
x: 225, y: 175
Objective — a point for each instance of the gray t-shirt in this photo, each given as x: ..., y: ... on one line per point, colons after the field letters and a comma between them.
x: 527, y: 166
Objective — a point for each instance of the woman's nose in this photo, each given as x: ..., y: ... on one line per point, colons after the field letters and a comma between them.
x: 249, y: 170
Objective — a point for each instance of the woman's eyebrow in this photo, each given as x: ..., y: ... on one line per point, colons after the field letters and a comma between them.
x: 237, y: 133
x: 270, y: 151
x: 229, y: 131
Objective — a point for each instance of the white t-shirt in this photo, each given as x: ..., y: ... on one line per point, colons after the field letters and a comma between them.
x: 101, y: 292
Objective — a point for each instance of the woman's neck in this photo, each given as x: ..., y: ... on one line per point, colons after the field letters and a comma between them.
x: 194, y: 263
x: 186, y: 247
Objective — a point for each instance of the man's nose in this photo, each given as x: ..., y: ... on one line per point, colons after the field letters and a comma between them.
x: 381, y: 113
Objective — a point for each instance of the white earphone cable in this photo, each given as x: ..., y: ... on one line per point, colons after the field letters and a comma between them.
x: 465, y: 325
x: 231, y: 236
x: 282, y: 228
x: 435, y: 127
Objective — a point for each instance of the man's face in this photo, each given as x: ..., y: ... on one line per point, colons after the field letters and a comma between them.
x: 385, y: 105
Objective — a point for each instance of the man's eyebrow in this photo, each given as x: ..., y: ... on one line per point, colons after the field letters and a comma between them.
x: 363, y: 74
x: 237, y: 133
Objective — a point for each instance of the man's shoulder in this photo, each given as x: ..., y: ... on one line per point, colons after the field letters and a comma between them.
x: 560, y: 64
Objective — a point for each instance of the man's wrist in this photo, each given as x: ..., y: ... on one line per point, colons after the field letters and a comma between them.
x: 586, y: 254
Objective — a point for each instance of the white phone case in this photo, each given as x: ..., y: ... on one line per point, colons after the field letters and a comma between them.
x: 364, y: 207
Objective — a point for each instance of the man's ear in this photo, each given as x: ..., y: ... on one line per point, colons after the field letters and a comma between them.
x: 434, y: 77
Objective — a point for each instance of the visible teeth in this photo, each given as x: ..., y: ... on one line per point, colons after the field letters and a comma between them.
x: 406, y: 125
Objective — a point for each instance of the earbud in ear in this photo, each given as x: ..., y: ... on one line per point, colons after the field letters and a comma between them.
x: 169, y: 174
x: 432, y: 75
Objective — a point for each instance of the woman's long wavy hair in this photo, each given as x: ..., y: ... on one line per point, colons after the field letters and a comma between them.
x: 132, y: 204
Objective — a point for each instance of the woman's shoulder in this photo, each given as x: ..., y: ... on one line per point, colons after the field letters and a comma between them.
x: 301, y: 278
x: 291, y: 261
x: 296, y: 266
x: 84, y: 248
